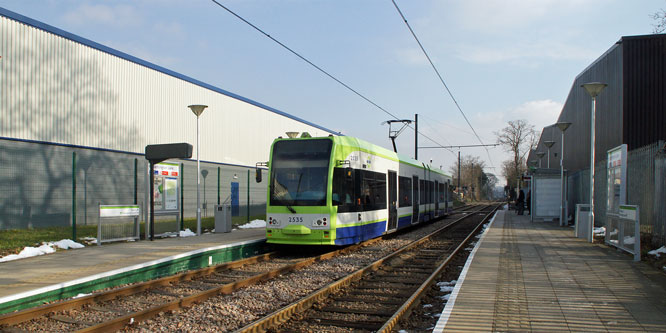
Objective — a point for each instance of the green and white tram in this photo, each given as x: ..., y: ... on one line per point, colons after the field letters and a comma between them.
x: 340, y: 190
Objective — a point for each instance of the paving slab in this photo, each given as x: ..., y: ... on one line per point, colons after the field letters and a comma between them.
x: 536, y: 276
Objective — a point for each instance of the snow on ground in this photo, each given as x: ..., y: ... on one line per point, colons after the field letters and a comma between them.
x: 600, y: 231
x: 254, y: 224
x: 658, y: 251
x: 45, y: 248
x: 186, y: 233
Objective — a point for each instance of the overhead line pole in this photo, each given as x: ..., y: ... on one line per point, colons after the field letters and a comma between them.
x: 462, y: 146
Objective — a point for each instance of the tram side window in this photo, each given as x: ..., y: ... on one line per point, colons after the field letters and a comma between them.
x: 366, y: 190
x: 422, y: 192
x: 431, y: 196
x: 442, y: 194
x: 343, y: 194
x: 373, y: 190
x: 405, y: 191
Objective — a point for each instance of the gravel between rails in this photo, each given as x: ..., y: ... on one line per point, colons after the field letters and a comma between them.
x: 233, y: 311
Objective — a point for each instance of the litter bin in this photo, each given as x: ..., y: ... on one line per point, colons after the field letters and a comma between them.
x: 222, y: 218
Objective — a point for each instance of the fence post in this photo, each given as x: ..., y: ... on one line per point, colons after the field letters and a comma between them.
x: 247, y: 204
x: 74, y: 196
x: 218, y: 186
x: 182, y: 196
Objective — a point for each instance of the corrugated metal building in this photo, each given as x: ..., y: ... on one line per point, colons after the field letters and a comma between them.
x: 630, y: 110
x: 61, y: 93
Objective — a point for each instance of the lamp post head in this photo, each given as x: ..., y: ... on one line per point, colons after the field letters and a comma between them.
x: 541, y: 154
x: 563, y: 125
x: 594, y: 88
x: 197, y: 109
x: 548, y: 144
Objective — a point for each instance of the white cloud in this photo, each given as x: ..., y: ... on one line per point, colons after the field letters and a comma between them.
x: 411, y: 57
x: 498, y: 16
x: 117, y: 16
x: 525, y: 53
x: 540, y: 113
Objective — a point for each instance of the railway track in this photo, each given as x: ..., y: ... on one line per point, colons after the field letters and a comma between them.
x: 377, y: 297
x: 127, y: 306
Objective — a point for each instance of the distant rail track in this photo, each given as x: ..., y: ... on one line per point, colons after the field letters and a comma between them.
x: 156, y: 304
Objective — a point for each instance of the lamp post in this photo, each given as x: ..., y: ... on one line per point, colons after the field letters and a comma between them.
x: 549, y: 144
x: 198, y: 110
x: 540, y: 154
x: 593, y: 89
x: 563, y: 125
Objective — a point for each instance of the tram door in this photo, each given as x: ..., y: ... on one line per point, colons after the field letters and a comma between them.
x: 393, y: 200
x: 415, y: 199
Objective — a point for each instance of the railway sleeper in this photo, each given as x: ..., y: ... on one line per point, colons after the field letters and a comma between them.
x: 365, y: 292
x: 364, y: 325
x: 359, y: 298
x: 379, y: 285
x: 400, y: 279
x: 382, y: 312
x: 70, y: 320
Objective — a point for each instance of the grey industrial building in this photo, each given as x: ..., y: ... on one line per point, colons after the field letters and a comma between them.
x: 77, y: 115
x: 631, y: 110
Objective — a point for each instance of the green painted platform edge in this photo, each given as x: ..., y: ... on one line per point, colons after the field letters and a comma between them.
x: 195, y: 261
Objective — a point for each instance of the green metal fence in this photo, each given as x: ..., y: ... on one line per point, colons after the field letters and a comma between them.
x: 55, y: 186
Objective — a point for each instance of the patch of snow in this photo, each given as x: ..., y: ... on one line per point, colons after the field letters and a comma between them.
x: 81, y: 295
x: 186, y: 233
x: 427, y: 305
x: 253, y: 224
x: 658, y: 251
x: 600, y: 231
x: 67, y: 244
x: 445, y: 297
x: 45, y: 248
x: 89, y: 240
x: 629, y: 240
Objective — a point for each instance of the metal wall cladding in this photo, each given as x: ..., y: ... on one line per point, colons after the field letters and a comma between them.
x: 608, y: 117
x: 644, y: 90
x: 58, y: 90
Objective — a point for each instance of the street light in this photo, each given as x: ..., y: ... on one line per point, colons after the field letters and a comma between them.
x: 540, y: 154
x: 593, y: 89
x: 198, y: 110
x: 563, y: 125
x: 549, y: 144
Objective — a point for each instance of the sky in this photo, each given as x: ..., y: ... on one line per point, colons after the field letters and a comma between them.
x: 502, y: 60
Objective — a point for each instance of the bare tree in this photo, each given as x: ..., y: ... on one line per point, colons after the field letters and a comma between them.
x: 660, y: 17
x: 473, y: 178
x: 517, y: 138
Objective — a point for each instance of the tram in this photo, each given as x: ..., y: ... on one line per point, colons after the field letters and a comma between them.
x: 340, y: 190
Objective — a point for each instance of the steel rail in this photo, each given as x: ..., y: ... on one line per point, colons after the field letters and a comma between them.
x: 415, y: 299
x: 186, y: 301
x: 28, y: 314
x: 280, y: 316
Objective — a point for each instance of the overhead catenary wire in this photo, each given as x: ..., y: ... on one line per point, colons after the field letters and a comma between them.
x: 315, y: 66
x: 441, y: 79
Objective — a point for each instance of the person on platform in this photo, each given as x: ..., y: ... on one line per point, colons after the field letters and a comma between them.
x: 520, y: 202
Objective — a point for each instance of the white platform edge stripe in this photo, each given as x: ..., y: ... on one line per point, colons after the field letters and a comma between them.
x: 446, y: 313
x: 117, y: 271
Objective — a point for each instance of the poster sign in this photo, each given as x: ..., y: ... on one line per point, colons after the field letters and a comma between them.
x: 166, y: 186
x: 617, y: 178
x: 170, y: 193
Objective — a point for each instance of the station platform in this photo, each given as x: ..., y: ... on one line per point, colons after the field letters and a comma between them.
x: 536, y: 276
x: 27, y: 282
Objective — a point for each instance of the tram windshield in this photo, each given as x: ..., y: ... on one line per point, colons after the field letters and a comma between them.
x: 299, y: 173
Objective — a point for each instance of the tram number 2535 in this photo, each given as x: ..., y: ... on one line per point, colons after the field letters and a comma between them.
x: 295, y: 219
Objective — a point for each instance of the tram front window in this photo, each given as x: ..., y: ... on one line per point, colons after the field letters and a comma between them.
x: 299, y: 171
